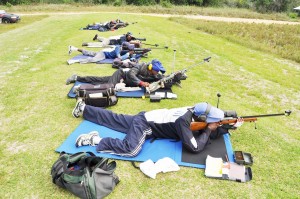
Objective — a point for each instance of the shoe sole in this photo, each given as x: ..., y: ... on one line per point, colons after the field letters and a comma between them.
x: 76, y: 143
x: 70, y: 51
x: 76, y: 107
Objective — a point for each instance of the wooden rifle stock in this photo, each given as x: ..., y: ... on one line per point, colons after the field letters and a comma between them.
x: 196, y: 126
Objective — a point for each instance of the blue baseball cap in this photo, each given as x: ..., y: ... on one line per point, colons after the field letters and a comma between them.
x: 157, y: 66
x: 214, y: 115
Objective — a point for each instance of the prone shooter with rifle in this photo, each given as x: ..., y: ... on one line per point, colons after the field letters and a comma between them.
x: 161, y: 123
x: 114, y: 40
x: 173, y: 78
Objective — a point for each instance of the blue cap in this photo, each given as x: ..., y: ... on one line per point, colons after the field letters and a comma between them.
x: 214, y: 115
x: 157, y: 66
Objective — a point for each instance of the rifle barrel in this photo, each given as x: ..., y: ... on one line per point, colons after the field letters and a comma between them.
x: 288, y: 112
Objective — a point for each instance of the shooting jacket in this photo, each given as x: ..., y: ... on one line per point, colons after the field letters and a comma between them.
x: 131, y: 76
x: 175, y: 124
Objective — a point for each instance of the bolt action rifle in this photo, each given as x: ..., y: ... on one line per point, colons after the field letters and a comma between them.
x: 161, y: 83
x: 136, y: 50
x: 140, y: 39
x: 195, y: 126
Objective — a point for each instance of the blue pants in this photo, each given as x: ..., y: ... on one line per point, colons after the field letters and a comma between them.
x: 135, y: 127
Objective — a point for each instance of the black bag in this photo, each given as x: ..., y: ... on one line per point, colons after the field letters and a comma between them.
x: 102, y: 95
x: 85, y: 175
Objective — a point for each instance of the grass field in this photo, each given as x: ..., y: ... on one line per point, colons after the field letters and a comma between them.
x: 35, y: 114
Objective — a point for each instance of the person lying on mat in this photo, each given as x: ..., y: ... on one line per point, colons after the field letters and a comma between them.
x: 107, y: 26
x: 94, y: 57
x: 131, y: 78
x: 114, y: 40
x: 162, y: 123
x: 116, y: 24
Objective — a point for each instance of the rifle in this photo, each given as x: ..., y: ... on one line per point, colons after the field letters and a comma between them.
x: 195, y: 126
x: 136, y: 50
x: 156, y: 46
x: 165, y: 47
x: 140, y: 39
x: 160, y: 83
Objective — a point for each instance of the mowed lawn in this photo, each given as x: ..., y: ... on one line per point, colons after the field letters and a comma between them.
x: 35, y: 113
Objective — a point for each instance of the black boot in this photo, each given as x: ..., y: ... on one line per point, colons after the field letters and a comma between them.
x: 95, y: 37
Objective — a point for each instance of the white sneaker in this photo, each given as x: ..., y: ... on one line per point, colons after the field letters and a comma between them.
x: 71, y: 61
x: 71, y: 49
x: 87, y: 139
x: 79, y: 107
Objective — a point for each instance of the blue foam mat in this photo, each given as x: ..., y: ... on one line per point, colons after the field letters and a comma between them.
x: 156, y: 150
x: 133, y: 94
x: 104, y: 61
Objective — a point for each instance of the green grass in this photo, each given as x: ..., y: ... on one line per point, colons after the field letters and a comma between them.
x: 25, y: 21
x: 282, y: 40
x: 192, y: 10
x: 35, y: 114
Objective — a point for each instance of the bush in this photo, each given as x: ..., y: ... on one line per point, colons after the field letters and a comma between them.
x: 118, y: 3
x: 293, y: 15
x: 165, y: 4
x: 8, y: 5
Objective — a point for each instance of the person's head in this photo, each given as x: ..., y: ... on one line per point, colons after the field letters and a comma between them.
x: 129, y: 36
x: 155, y: 67
x: 204, y: 112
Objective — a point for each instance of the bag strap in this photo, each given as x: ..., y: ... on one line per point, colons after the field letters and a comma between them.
x: 75, y: 158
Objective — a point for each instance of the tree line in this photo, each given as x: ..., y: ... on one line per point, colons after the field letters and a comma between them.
x: 258, y: 5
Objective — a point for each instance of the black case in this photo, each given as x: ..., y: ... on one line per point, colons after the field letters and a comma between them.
x: 96, y: 95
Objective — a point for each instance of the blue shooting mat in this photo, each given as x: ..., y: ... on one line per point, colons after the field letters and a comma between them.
x: 104, y: 61
x: 155, y: 150
x: 133, y: 94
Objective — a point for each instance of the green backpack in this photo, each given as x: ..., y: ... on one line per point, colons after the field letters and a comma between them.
x: 85, y: 175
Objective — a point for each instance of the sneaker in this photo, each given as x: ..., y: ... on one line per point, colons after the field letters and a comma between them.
x: 71, y: 49
x: 87, y: 139
x: 84, y: 44
x: 95, y: 37
x: 72, y: 61
x: 71, y: 79
x: 78, y: 110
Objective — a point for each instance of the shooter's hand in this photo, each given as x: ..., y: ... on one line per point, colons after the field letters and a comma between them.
x: 239, y: 122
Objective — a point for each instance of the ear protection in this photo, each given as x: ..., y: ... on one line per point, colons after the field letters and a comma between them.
x: 150, y: 67
x: 202, y: 117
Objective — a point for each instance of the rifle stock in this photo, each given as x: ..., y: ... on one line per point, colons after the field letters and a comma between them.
x: 196, y: 126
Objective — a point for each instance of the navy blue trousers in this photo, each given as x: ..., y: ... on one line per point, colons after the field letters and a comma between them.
x: 135, y: 127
